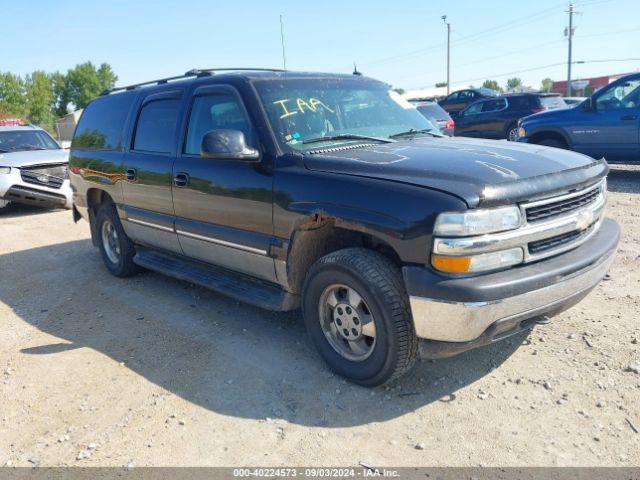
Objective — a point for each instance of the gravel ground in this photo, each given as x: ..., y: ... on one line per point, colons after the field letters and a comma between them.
x: 99, y: 371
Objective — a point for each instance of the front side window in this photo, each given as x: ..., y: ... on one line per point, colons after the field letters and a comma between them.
x: 156, y: 127
x: 215, y: 112
x: 302, y: 111
x: 623, y: 96
x: 22, y: 140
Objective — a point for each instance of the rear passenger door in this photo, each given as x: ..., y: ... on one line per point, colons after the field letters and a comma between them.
x: 223, y: 207
x: 148, y: 205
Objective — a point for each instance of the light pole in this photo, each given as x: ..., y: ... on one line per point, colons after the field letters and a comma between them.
x: 444, y: 19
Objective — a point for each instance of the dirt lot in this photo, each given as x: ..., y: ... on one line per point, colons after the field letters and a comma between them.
x: 95, y: 370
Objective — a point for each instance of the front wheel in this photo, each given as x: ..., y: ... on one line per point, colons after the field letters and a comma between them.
x: 358, y: 316
x: 512, y: 133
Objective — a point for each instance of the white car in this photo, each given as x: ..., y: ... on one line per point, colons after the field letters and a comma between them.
x: 33, y: 168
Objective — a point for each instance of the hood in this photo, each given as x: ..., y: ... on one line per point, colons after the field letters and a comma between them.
x: 481, y: 172
x: 551, y: 114
x: 33, y: 157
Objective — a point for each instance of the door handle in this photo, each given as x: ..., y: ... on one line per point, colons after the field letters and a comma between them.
x: 181, y: 179
x: 132, y: 173
x: 629, y: 117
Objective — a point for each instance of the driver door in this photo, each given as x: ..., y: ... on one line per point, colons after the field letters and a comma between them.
x: 223, y: 207
x: 612, y: 129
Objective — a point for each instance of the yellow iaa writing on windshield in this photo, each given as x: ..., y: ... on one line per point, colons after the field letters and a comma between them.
x: 299, y: 105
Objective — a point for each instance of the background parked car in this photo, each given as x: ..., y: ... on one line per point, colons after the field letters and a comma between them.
x: 436, y: 115
x: 573, y: 100
x: 497, y: 118
x: 606, y: 124
x: 33, y: 168
x: 457, y: 101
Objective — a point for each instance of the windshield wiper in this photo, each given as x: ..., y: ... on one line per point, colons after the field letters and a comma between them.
x: 414, y: 131
x: 347, y: 136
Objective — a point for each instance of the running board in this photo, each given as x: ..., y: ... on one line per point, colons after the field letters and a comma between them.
x: 232, y: 284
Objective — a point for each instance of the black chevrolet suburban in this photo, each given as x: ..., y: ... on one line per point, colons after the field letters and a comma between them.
x: 332, y: 194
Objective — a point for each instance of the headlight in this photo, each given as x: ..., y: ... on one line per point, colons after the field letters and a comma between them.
x: 522, y: 132
x: 5, y: 169
x: 478, y: 263
x: 477, y: 222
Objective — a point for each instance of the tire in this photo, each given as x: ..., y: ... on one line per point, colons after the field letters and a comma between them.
x: 552, y: 142
x: 118, y: 253
x: 511, y: 133
x: 374, y: 355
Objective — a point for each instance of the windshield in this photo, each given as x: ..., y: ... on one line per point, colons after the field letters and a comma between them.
x: 21, y: 140
x: 303, y: 111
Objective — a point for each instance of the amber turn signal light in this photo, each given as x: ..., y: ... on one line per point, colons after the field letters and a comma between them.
x: 451, y: 264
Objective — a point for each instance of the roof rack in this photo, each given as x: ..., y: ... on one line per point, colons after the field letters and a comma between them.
x: 196, y: 72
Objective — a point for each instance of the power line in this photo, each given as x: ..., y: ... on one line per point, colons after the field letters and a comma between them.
x: 515, y: 23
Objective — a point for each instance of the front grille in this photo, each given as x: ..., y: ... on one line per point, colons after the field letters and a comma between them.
x: 51, y: 176
x: 557, y: 241
x: 553, y: 209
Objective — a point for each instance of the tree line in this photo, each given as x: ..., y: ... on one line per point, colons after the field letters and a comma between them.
x: 515, y: 84
x: 40, y: 97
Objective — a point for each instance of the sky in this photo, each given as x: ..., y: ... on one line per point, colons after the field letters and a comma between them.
x: 401, y: 42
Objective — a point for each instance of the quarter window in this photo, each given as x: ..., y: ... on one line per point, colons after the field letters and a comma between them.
x: 102, y: 123
x: 156, y: 128
x: 215, y: 112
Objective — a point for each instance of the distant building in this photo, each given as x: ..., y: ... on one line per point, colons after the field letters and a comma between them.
x: 584, y: 87
x: 67, y: 125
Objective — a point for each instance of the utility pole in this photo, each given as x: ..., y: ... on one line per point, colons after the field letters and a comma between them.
x: 444, y: 19
x: 569, y: 35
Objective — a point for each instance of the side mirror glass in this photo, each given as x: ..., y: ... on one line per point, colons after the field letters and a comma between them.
x: 227, y: 145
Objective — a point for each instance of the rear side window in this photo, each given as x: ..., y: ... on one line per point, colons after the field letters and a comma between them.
x: 156, y: 127
x: 523, y: 103
x: 215, y: 112
x: 102, y: 123
x: 552, y: 102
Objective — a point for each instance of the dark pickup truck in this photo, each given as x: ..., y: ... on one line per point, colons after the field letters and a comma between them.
x: 607, y: 124
x: 331, y: 194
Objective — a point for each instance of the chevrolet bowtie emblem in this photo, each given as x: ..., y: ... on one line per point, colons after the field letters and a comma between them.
x: 584, y: 220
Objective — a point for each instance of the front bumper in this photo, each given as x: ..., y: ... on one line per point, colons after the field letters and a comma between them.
x: 14, y: 189
x: 448, y: 309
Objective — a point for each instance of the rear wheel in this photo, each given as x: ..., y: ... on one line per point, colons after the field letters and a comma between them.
x: 357, y: 314
x: 116, y: 248
x: 552, y: 142
x: 512, y: 133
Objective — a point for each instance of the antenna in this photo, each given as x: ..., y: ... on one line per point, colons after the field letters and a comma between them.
x: 284, y: 56
x: 355, y: 70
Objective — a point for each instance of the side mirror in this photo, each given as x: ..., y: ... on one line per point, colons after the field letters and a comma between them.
x: 589, y: 104
x: 227, y: 145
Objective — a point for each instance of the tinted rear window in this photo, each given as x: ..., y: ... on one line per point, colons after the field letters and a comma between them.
x: 523, y: 103
x: 102, y: 123
x: 433, y: 111
x: 553, y: 102
x: 156, y: 128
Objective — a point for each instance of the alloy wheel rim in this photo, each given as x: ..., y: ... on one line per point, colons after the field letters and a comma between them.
x: 513, y: 134
x: 347, y: 322
x: 110, y: 241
